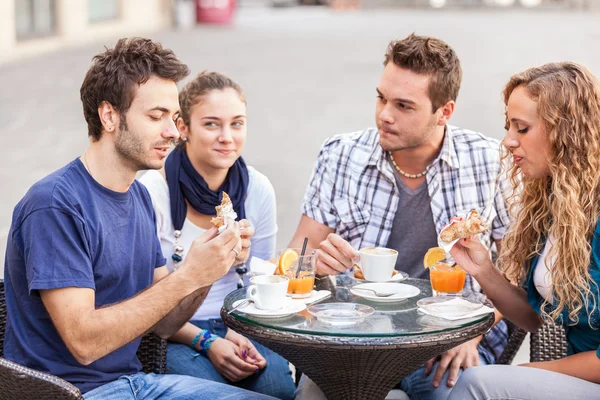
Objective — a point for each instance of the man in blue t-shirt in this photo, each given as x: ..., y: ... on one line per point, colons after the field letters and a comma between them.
x: 85, y: 276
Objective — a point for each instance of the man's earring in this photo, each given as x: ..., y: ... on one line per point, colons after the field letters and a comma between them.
x: 184, y: 139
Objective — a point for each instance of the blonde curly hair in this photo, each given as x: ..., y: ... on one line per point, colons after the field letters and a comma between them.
x: 566, y: 204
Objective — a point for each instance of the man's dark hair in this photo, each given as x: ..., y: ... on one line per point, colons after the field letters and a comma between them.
x: 429, y: 56
x: 116, y: 73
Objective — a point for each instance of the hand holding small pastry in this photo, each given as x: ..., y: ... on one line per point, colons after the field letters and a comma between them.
x: 460, y: 229
x: 224, y: 212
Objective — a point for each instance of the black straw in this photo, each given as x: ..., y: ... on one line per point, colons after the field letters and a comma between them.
x: 301, y: 257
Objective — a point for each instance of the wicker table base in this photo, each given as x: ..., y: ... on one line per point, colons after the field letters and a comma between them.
x: 356, y: 368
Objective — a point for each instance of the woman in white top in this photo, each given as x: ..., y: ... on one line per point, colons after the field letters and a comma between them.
x: 206, y: 163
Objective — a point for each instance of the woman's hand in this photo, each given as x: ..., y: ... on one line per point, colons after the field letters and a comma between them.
x: 246, y: 233
x: 247, y: 349
x: 227, y: 359
x: 472, y: 256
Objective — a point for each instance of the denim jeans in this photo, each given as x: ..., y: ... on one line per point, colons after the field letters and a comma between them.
x: 143, y: 386
x: 274, y: 380
x: 511, y: 382
x: 418, y: 386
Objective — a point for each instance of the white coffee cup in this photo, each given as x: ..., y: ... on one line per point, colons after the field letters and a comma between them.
x: 377, y: 263
x: 268, y: 292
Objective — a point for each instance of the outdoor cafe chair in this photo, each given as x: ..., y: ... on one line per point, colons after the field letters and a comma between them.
x: 23, y: 383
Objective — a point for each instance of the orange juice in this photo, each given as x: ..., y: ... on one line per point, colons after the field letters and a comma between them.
x: 447, y: 279
x: 289, y: 261
x: 303, y: 285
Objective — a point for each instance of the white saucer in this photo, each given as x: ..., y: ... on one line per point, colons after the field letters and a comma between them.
x: 402, y: 291
x: 291, y: 307
x: 400, y: 276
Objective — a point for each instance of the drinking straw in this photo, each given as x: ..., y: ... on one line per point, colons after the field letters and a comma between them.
x: 301, y: 257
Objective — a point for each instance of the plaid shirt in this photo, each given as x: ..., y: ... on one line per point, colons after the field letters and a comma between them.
x: 353, y: 190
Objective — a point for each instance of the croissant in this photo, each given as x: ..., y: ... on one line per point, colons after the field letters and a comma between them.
x: 473, y: 225
x: 223, y: 210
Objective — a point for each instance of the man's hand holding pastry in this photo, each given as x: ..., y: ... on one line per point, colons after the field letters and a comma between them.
x: 212, y: 255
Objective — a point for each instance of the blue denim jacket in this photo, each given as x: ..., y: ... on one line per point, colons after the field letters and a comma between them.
x: 581, y: 337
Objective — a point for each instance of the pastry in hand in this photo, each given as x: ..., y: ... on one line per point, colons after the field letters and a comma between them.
x: 471, y: 226
x: 224, y: 211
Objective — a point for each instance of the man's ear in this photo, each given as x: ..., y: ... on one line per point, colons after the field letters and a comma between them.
x: 109, y: 117
x: 446, y: 112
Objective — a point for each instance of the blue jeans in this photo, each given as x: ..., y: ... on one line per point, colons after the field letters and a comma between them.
x: 274, y: 380
x: 172, y: 387
x: 419, y: 387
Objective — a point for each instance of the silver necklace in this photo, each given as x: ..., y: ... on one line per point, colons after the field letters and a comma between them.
x: 411, y: 176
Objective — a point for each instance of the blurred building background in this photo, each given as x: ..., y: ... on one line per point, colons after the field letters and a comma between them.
x: 28, y: 27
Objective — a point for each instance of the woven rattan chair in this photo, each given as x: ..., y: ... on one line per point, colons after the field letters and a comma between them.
x: 548, y: 343
x: 22, y: 383
x: 516, y: 336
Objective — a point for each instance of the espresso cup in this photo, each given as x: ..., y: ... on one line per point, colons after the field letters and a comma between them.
x: 268, y: 292
x: 377, y: 263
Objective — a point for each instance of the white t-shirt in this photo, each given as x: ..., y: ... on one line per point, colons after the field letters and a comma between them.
x: 261, y: 212
x: 542, y: 276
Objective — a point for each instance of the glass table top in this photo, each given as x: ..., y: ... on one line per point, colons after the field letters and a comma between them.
x: 401, y: 318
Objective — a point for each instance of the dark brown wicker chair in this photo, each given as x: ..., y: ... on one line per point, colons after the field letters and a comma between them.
x: 548, y: 343
x: 22, y: 383
x: 516, y: 336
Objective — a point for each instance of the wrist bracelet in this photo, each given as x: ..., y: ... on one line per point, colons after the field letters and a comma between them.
x: 203, y: 334
x: 206, y: 345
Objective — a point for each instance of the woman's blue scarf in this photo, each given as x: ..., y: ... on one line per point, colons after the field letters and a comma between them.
x: 185, y: 183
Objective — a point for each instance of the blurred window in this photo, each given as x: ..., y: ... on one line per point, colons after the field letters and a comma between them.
x: 103, y: 10
x: 35, y: 18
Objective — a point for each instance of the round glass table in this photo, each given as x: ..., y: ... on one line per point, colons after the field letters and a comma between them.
x: 361, y: 361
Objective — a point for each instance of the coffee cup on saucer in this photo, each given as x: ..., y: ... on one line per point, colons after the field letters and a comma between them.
x: 377, y: 263
x: 268, y: 292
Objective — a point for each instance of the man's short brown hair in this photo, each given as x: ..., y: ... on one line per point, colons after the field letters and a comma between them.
x: 429, y: 56
x: 116, y: 73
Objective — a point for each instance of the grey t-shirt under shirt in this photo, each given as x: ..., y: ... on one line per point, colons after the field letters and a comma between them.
x: 413, y: 231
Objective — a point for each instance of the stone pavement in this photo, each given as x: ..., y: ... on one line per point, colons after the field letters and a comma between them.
x: 308, y: 72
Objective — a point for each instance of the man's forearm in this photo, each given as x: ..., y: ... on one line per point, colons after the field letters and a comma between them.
x: 111, y: 327
x: 181, y: 314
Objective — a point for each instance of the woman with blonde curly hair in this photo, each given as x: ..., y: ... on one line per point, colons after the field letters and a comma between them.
x: 553, y: 245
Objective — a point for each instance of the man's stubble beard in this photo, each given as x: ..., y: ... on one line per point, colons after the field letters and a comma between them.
x: 130, y: 149
x: 431, y: 128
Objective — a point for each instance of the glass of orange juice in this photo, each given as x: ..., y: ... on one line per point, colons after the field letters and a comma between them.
x: 299, y: 269
x: 447, y: 278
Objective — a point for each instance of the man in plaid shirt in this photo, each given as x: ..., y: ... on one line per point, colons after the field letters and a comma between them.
x: 397, y: 185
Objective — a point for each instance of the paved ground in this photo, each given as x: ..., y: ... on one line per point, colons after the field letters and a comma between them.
x: 308, y: 72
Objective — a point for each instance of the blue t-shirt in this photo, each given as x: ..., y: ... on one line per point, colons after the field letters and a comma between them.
x: 70, y: 231
x: 581, y: 337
